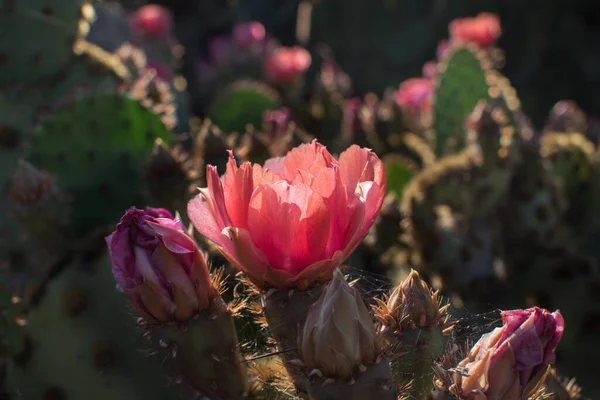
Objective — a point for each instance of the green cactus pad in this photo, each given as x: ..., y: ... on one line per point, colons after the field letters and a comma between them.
x: 97, y: 147
x: 83, y: 325
x: 460, y: 84
x: 241, y: 104
x: 50, y: 27
x: 398, y: 172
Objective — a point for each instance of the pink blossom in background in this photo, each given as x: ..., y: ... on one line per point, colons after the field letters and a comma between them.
x: 291, y: 221
x: 482, y: 30
x: 503, y: 362
x: 158, y: 266
x: 285, y: 65
x: 152, y: 22
x: 415, y: 94
x: 247, y: 34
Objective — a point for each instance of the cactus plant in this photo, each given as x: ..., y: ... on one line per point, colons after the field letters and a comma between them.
x: 113, y: 130
x: 438, y: 195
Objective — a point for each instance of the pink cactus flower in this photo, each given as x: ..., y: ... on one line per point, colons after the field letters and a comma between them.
x: 507, y: 362
x: 219, y: 50
x: 291, y: 221
x: 248, y: 34
x: 286, y: 65
x: 159, y: 267
x: 415, y: 94
x: 482, y: 30
x: 152, y: 22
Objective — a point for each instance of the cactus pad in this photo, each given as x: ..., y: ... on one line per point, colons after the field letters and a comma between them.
x: 460, y: 85
x: 398, y: 172
x: 97, y: 146
x: 82, y: 324
x: 241, y: 104
x: 51, y: 28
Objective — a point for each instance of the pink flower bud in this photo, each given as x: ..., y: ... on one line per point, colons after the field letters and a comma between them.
x: 415, y: 94
x: 152, y: 22
x: 291, y: 221
x: 159, y: 267
x: 482, y: 30
x: 247, y: 34
x: 504, y: 362
x: 285, y: 65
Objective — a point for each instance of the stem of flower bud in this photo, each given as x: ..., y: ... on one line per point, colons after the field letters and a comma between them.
x: 205, y: 352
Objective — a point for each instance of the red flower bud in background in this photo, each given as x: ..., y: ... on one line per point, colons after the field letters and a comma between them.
x: 415, y: 94
x: 508, y: 361
x: 285, y: 65
x: 152, y: 22
x: 483, y: 30
x: 247, y: 34
x: 290, y: 222
x: 159, y: 267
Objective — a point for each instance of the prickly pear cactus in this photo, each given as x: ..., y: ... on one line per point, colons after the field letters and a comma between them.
x: 460, y: 85
x: 241, y: 104
x: 90, y: 141
x: 82, y: 324
x: 51, y: 29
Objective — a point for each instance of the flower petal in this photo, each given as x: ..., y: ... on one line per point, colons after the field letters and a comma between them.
x: 309, y: 157
x: 289, y: 224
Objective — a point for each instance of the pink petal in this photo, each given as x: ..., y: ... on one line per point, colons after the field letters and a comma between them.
x: 289, y: 224
x: 238, y: 187
x: 346, y: 212
x: 245, y: 256
x: 275, y: 165
x: 359, y: 165
x: 176, y: 241
x: 309, y: 157
x: 207, y: 210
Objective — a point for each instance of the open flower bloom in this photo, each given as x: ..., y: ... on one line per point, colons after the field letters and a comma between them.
x: 483, y: 30
x: 159, y: 267
x: 505, y: 363
x: 415, y: 94
x: 289, y: 222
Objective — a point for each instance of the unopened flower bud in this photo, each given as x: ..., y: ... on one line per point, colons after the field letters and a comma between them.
x: 411, y: 305
x: 339, y: 334
x: 509, y: 361
x: 159, y: 267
